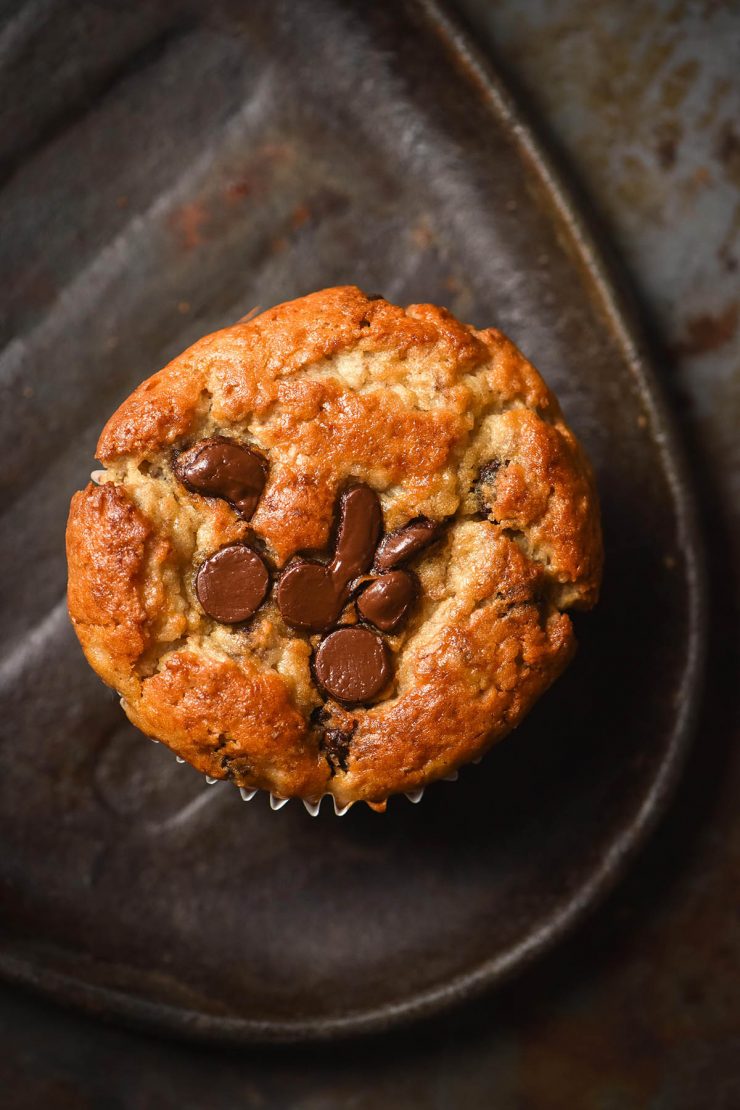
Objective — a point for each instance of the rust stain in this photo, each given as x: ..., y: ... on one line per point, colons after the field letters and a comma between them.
x: 301, y: 215
x: 253, y: 177
x: 709, y: 332
x: 238, y: 190
x: 188, y: 222
x: 276, y: 152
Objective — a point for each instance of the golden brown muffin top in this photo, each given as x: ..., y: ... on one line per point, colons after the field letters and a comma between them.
x: 336, y: 391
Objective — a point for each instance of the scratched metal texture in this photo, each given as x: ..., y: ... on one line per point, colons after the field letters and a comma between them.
x: 216, y: 173
x: 641, y: 1009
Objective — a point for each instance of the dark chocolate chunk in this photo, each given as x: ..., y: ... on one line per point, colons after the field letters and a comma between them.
x: 232, y: 584
x: 353, y: 664
x: 312, y: 595
x: 334, y: 746
x: 360, y: 525
x: 308, y: 598
x: 491, y: 469
x: 221, y: 467
x: 485, y: 485
x: 406, y: 542
x: 388, y: 600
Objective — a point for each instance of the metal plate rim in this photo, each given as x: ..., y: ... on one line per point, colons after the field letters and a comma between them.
x: 164, y: 1018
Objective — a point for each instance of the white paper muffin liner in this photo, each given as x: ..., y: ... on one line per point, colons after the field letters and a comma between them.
x: 313, y: 807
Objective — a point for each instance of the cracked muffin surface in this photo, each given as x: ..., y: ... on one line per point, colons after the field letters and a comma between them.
x: 449, y: 429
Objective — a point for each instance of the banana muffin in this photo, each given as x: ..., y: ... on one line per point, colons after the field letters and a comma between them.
x: 332, y: 548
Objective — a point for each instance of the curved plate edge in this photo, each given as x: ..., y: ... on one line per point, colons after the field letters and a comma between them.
x: 163, y: 1018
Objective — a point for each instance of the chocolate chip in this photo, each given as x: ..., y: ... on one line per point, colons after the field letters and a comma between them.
x: 318, y: 716
x: 307, y: 597
x: 403, y: 544
x: 311, y: 595
x: 388, y: 600
x: 490, y: 470
x: 221, y: 467
x: 484, y: 487
x: 353, y: 664
x: 232, y: 584
x: 360, y: 525
x: 334, y: 746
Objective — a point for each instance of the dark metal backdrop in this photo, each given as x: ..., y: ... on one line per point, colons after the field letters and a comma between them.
x: 466, y: 1068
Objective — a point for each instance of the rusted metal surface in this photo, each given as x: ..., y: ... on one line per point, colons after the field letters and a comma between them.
x: 643, y: 102
x: 640, y: 1009
x: 646, y: 99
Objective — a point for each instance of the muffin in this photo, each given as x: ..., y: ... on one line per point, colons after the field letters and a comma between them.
x: 332, y: 549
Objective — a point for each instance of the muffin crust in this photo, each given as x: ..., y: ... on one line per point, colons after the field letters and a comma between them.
x: 444, y: 423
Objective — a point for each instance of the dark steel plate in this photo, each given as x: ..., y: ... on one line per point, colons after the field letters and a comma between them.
x: 174, y: 172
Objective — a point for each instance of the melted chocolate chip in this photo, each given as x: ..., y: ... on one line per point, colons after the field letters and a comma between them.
x: 360, y: 525
x: 311, y: 595
x: 232, y: 584
x: 353, y: 664
x: 403, y: 544
x: 388, y: 600
x: 221, y: 467
x: 308, y: 598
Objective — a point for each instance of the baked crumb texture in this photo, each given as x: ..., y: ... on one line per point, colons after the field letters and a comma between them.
x: 443, y: 422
